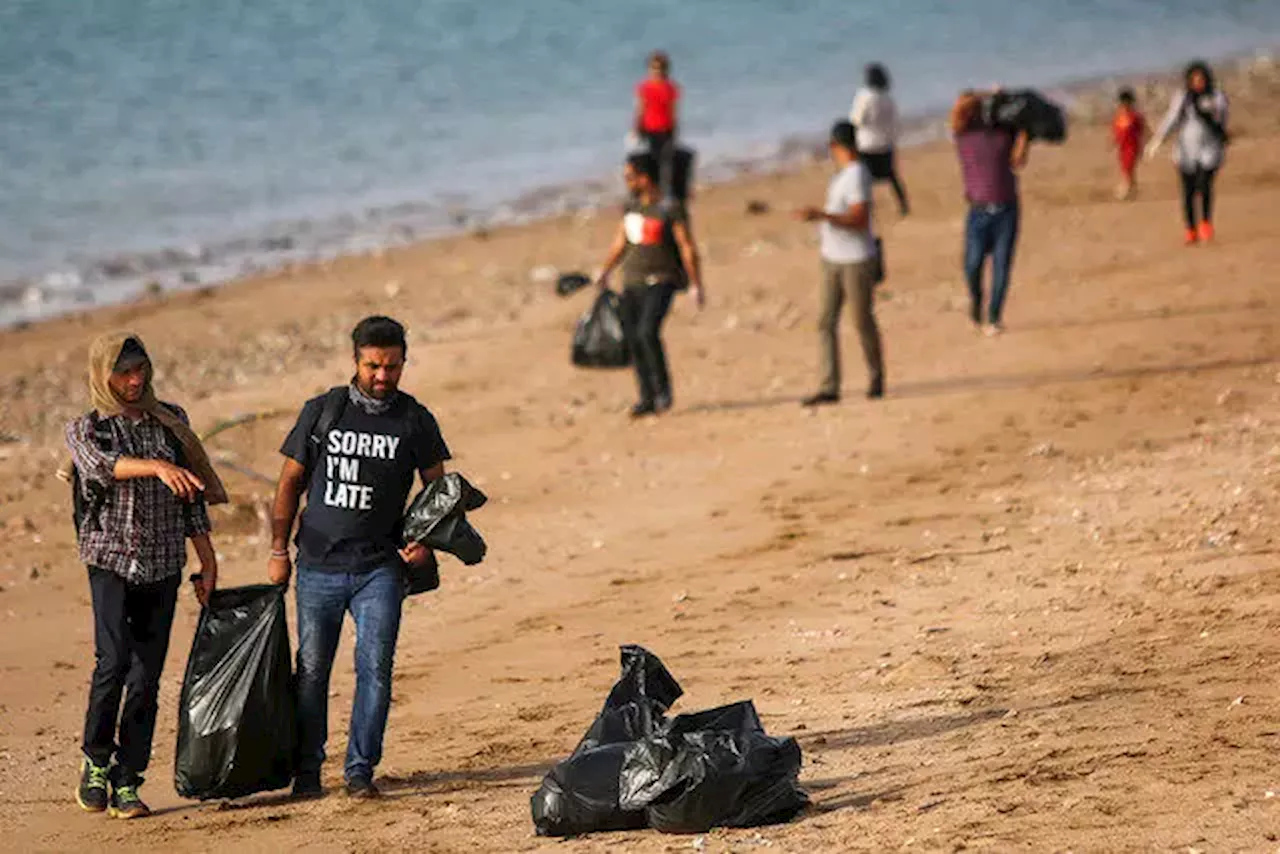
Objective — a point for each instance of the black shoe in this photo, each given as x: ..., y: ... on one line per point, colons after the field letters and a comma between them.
x: 643, y: 408
x: 822, y: 398
x: 125, y: 803
x: 306, y: 785
x: 91, y: 794
x: 662, y: 403
x: 875, y: 391
x: 362, y: 789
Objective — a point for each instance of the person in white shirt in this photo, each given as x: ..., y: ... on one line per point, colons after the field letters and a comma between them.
x: 850, y: 265
x: 875, y: 115
x: 1198, y: 113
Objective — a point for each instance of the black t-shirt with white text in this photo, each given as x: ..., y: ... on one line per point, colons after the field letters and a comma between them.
x: 363, y: 472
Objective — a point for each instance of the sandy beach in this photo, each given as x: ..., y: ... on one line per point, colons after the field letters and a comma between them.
x: 1028, y: 602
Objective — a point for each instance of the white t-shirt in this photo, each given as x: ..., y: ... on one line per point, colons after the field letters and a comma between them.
x: 875, y: 116
x: 849, y: 187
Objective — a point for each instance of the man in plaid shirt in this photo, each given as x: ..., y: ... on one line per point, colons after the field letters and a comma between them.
x: 140, y: 503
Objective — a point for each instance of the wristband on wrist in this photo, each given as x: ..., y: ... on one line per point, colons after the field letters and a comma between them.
x: 279, y: 552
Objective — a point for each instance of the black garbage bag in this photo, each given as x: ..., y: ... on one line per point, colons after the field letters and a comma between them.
x: 716, y: 768
x: 437, y: 518
x: 571, y: 283
x: 580, y: 795
x: 236, y: 730
x: 598, y: 341
x: 1027, y: 110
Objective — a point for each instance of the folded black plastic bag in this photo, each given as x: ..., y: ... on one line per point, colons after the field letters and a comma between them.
x: 599, y: 340
x: 580, y: 795
x: 1028, y: 111
x: 437, y: 518
x: 716, y: 768
x: 236, y: 714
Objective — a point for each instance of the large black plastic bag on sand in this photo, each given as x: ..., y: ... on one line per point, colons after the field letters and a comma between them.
x: 599, y: 341
x: 236, y: 714
x: 580, y: 795
x: 716, y: 768
x: 634, y: 769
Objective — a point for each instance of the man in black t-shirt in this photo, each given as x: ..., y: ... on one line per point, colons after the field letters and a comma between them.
x: 655, y: 247
x: 357, y: 478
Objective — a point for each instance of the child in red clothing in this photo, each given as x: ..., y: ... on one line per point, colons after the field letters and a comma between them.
x: 656, y: 98
x: 1129, y: 130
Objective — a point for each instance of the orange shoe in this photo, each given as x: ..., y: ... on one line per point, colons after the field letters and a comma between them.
x: 1191, y: 237
x: 1206, y: 231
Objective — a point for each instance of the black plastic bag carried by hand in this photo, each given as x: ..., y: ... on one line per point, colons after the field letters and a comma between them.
x: 716, y: 768
x: 437, y: 518
x: 236, y: 718
x: 580, y: 795
x: 599, y: 341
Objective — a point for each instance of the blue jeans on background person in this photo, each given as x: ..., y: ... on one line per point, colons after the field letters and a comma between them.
x: 991, y: 230
x: 374, y: 599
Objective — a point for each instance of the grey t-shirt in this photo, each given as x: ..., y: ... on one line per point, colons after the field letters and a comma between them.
x: 850, y: 186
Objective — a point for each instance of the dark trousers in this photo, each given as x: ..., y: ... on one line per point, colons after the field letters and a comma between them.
x: 643, y: 308
x: 857, y: 284
x: 883, y: 166
x: 1198, y: 182
x: 131, y: 624
x: 662, y: 146
x: 991, y: 230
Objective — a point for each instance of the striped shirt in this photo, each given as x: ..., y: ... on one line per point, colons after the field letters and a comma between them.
x: 985, y: 163
x: 142, y: 528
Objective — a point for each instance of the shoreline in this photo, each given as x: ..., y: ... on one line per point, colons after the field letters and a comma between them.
x: 291, y: 247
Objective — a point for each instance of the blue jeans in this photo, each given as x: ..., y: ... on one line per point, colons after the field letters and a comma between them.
x: 991, y: 230
x: 374, y: 599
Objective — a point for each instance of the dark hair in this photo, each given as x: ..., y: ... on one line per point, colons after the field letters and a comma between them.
x: 660, y: 58
x: 877, y: 76
x: 845, y: 135
x: 1126, y: 96
x: 1203, y: 67
x: 645, y: 164
x: 378, y: 331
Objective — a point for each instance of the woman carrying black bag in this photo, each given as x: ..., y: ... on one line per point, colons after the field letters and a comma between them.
x: 1199, y: 114
x: 655, y: 247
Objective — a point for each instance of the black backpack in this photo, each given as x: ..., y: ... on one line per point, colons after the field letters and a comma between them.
x: 86, y: 510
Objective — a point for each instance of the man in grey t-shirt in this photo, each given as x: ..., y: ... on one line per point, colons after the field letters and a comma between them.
x: 850, y: 266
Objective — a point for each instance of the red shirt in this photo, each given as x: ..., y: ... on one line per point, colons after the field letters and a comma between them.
x: 1128, y: 128
x: 658, y: 105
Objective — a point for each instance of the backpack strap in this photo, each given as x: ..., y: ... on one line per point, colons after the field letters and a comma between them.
x: 335, y: 403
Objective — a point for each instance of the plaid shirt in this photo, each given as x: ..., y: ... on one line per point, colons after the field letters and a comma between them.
x: 142, y: 527
x: 984, y: 162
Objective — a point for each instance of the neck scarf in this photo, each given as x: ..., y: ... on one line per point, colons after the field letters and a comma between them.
x: 370, y: 405
x: 103, y: 354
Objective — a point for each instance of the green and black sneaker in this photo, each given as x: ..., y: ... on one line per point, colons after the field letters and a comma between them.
x: 91, y: 794
x: 125, y: 803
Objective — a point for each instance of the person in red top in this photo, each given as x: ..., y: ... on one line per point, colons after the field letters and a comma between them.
x: 1129, y: 131
x: 656, y: 98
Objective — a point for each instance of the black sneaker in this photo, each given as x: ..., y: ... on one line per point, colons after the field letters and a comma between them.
x: 361, y: 788
x: 306, y: 785
x: 875, y: 391
x: 643, y: 408
x: 126, y: 804
x: 91, y: 794
x: 822, y: 398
